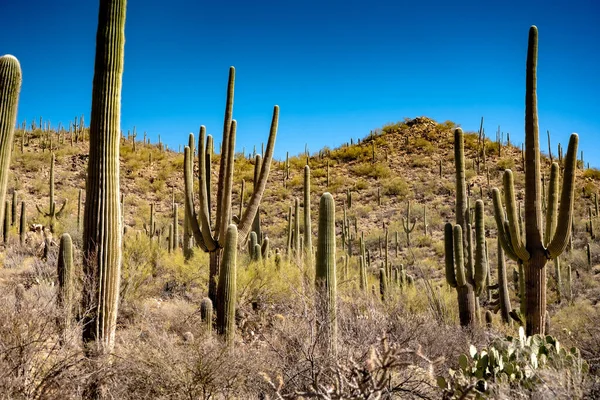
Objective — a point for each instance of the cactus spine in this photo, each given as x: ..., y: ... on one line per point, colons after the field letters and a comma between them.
x: 529, y: 247
x: 10, y: 87
x: 226, y: 294
x: 325, y: 277
x: 65, y: 271
x: 102, y: 216
x: 204, y: 237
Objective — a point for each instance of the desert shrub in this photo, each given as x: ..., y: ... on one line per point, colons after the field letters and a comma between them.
x: 424, y: 145
x: 371, y: 170
x: 592, y: 173
x: 351, y: 153
x: 506, y: 163
x: 395, y: 187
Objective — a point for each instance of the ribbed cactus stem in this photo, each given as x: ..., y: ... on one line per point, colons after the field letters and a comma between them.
x: 10, y: 87
x: 226, y: 293
x: 504, y: 305
x: 6, y: 225
x: 102, y: 220
x: 13, y: 220
x: 264, y: 248
x: 449, y: 255
x: 22, y: 224
x: 308, y: 250
x: 257, y: 253
x: 206, y: 314
x: 66, y: 291
x: 480, y: 254
x: 325, y: 277
x: 362, y: 273
x: 297, y: 229
x: 252, y: 241
x: 175, y: 226
x: 290, y: 233
x: 383, y: 284
x: 558, y: 277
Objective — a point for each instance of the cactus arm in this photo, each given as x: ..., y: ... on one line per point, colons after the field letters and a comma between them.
x: 459, y: 259
x: 207, y: 237
x: 225, y: 184
x: 250, y: 212
x: 208, y: 168
x: 503, y: 235
x: 461, y: 190
x: 449, y: 254
x: 513, y: 218
x: 189, y: 199
x: 59, y: 212
x: 565, y: 215
x: 552, y: 208
x: 226, y: 130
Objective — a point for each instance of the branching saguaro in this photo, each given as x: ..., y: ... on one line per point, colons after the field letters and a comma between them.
x: 10, y: 87
x: 462, y: 272
x: 206, y: 238
x: 102, y: 216
x: 530, y: 246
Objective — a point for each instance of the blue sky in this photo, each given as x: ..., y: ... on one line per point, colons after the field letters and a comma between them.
x: 336, y: 68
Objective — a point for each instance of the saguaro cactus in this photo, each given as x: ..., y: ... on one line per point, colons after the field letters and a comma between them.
x: 214, y: 241
x: 226, y: 295
x: 529, y: 247
x: 22, y: 224
x: 308, y: 250
x: 325, y: 277
x: 65, y: 271
x: 406, y: 224
x: 10, y: 87
x: 461, y: 273
x: 206, y: 313
x: 52, y: 213
x: 102, y: 215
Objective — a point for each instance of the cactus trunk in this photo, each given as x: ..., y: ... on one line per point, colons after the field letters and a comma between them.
x: 325, y: 277
x: 102, y: 217
x: 10, y: 87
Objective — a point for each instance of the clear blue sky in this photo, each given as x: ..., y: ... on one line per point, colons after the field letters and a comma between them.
x: 336, y: 68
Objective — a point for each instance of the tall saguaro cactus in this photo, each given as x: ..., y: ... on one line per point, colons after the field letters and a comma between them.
x: 308, y: 251
x: 102, y: 215
x: 208, y: 240
x: 10, y: 87
x: 325, y: 277
x: 467, y: 277
x: 530, y: 247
